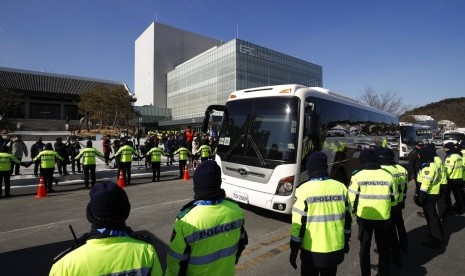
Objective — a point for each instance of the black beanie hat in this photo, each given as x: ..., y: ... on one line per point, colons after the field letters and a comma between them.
x: 431, y: 148
x: 381, y: 154
x: 48, y: 146
x: 317, y: 165
x: 449, y: 146
x: 89, y: 144
x: 367, y: 156
x: 207, y: 181
x: 426, y: 155
x: 109, y: 206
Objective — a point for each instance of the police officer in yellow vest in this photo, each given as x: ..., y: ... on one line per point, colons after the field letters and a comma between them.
x: 454, y: 169
x: 183, y: 152
x: 47, y: 164
x: 371, y: 194
x: 111, y: 247
x: 428, y: 195
x: 398, y: 232
x: 321, y: 220
x: 6, y: 159
x: 125, y: 153
x: 443, y: 188
x: 89, y: 163
x: 209, y: 233
x: 205, y: 151
x: 155, y: 154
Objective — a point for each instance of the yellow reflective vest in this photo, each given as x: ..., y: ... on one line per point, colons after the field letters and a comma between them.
x: 110, y: 256
x: 47, y: 158
x: 88, y: 155
x: 371, y: 194
x: 5, y: 161
x: 126, y: 153
x: 396, y: 189
x: 205, y: 151
x: 430, y: 178
x: 155, y: 154
x: 183, y: 153
x: 324, y: 206
x: 454, y: 166
x: 205, y: 239
x: 441, y: 170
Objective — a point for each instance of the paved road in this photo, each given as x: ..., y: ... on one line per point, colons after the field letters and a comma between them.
x: 33, y: 231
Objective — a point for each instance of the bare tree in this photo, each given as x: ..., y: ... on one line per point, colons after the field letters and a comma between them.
x: 387, y: 101
x: 9, y: 99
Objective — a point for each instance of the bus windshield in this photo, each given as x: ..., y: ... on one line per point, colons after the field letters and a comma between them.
x: 413, y: 134
x: 260, y: 132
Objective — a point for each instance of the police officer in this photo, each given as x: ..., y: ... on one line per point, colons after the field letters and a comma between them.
x: 399, y: 238
x: 125, y: 153
x: 111, y: 247
x: 47, y: 165
x: 89, y: 163
x: 443, y: 188
x: 205, y: 150
x: 454, y: 170
x: 74, y: 149
x: 6, y: 159
x: 371, y: 194
x: 183, y: 154
x: 209, y: 233
x: 155, y: 154
x: 321, y: 220
x: 428, y: 195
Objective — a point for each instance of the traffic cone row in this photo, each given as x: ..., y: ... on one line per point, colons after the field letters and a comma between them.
x: 121, y: 182
x: 186, y: 174
x: 41, y: 191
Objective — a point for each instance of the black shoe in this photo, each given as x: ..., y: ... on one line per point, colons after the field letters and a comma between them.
x: 36, y: 175
x: 56, y: 182
x: 421, y: 214
x: 153, y: 179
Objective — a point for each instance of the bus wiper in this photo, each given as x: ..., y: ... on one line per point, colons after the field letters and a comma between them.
x: 233, y: 147
x: 257, y: 151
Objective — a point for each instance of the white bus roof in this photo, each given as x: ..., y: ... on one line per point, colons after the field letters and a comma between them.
x: 302, y: 91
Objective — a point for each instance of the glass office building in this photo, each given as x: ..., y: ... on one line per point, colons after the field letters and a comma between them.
x: 210, y: 77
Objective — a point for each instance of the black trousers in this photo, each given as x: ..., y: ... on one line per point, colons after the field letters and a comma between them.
x: 432, y: 218
x: 89, y: 170
x: 15, y: 167
x: 456, y: 186
x: 156, y: 171
x: 106, y: 155
x: 36, y: 167
x: 182, y: 165
x: 5, y: 176
x: 125, y: 167
x: 399, y: 233
x: 76, y: 163
x: 47, y: 174
x: 61, y: 165
x: 382, y: 230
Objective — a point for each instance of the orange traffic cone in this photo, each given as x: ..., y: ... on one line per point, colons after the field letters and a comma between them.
x: 41, y: 191
x: 186, y: 173
x: 121, y: 179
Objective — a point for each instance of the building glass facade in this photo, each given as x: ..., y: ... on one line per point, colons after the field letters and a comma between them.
x: 210, y: 77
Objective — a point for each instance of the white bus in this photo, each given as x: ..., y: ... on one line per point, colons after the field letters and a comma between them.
x: 410, y: 134
x: 453, y: 136
x: 267, y: 133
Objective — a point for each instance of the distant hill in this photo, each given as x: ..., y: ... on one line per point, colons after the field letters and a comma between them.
x: 452, y: 109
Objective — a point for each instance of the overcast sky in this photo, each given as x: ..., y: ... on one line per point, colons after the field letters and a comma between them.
x: 415, y: 48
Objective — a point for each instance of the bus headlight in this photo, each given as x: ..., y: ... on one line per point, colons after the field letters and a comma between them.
x: 285, y: 186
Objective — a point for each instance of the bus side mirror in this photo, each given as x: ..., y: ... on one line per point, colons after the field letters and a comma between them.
x: 313, y: 125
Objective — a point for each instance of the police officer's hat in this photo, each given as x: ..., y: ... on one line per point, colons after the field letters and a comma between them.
x: 109, y: 206
x: 207, y: 181
x: 317, y: 165
x: 367, y: 156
